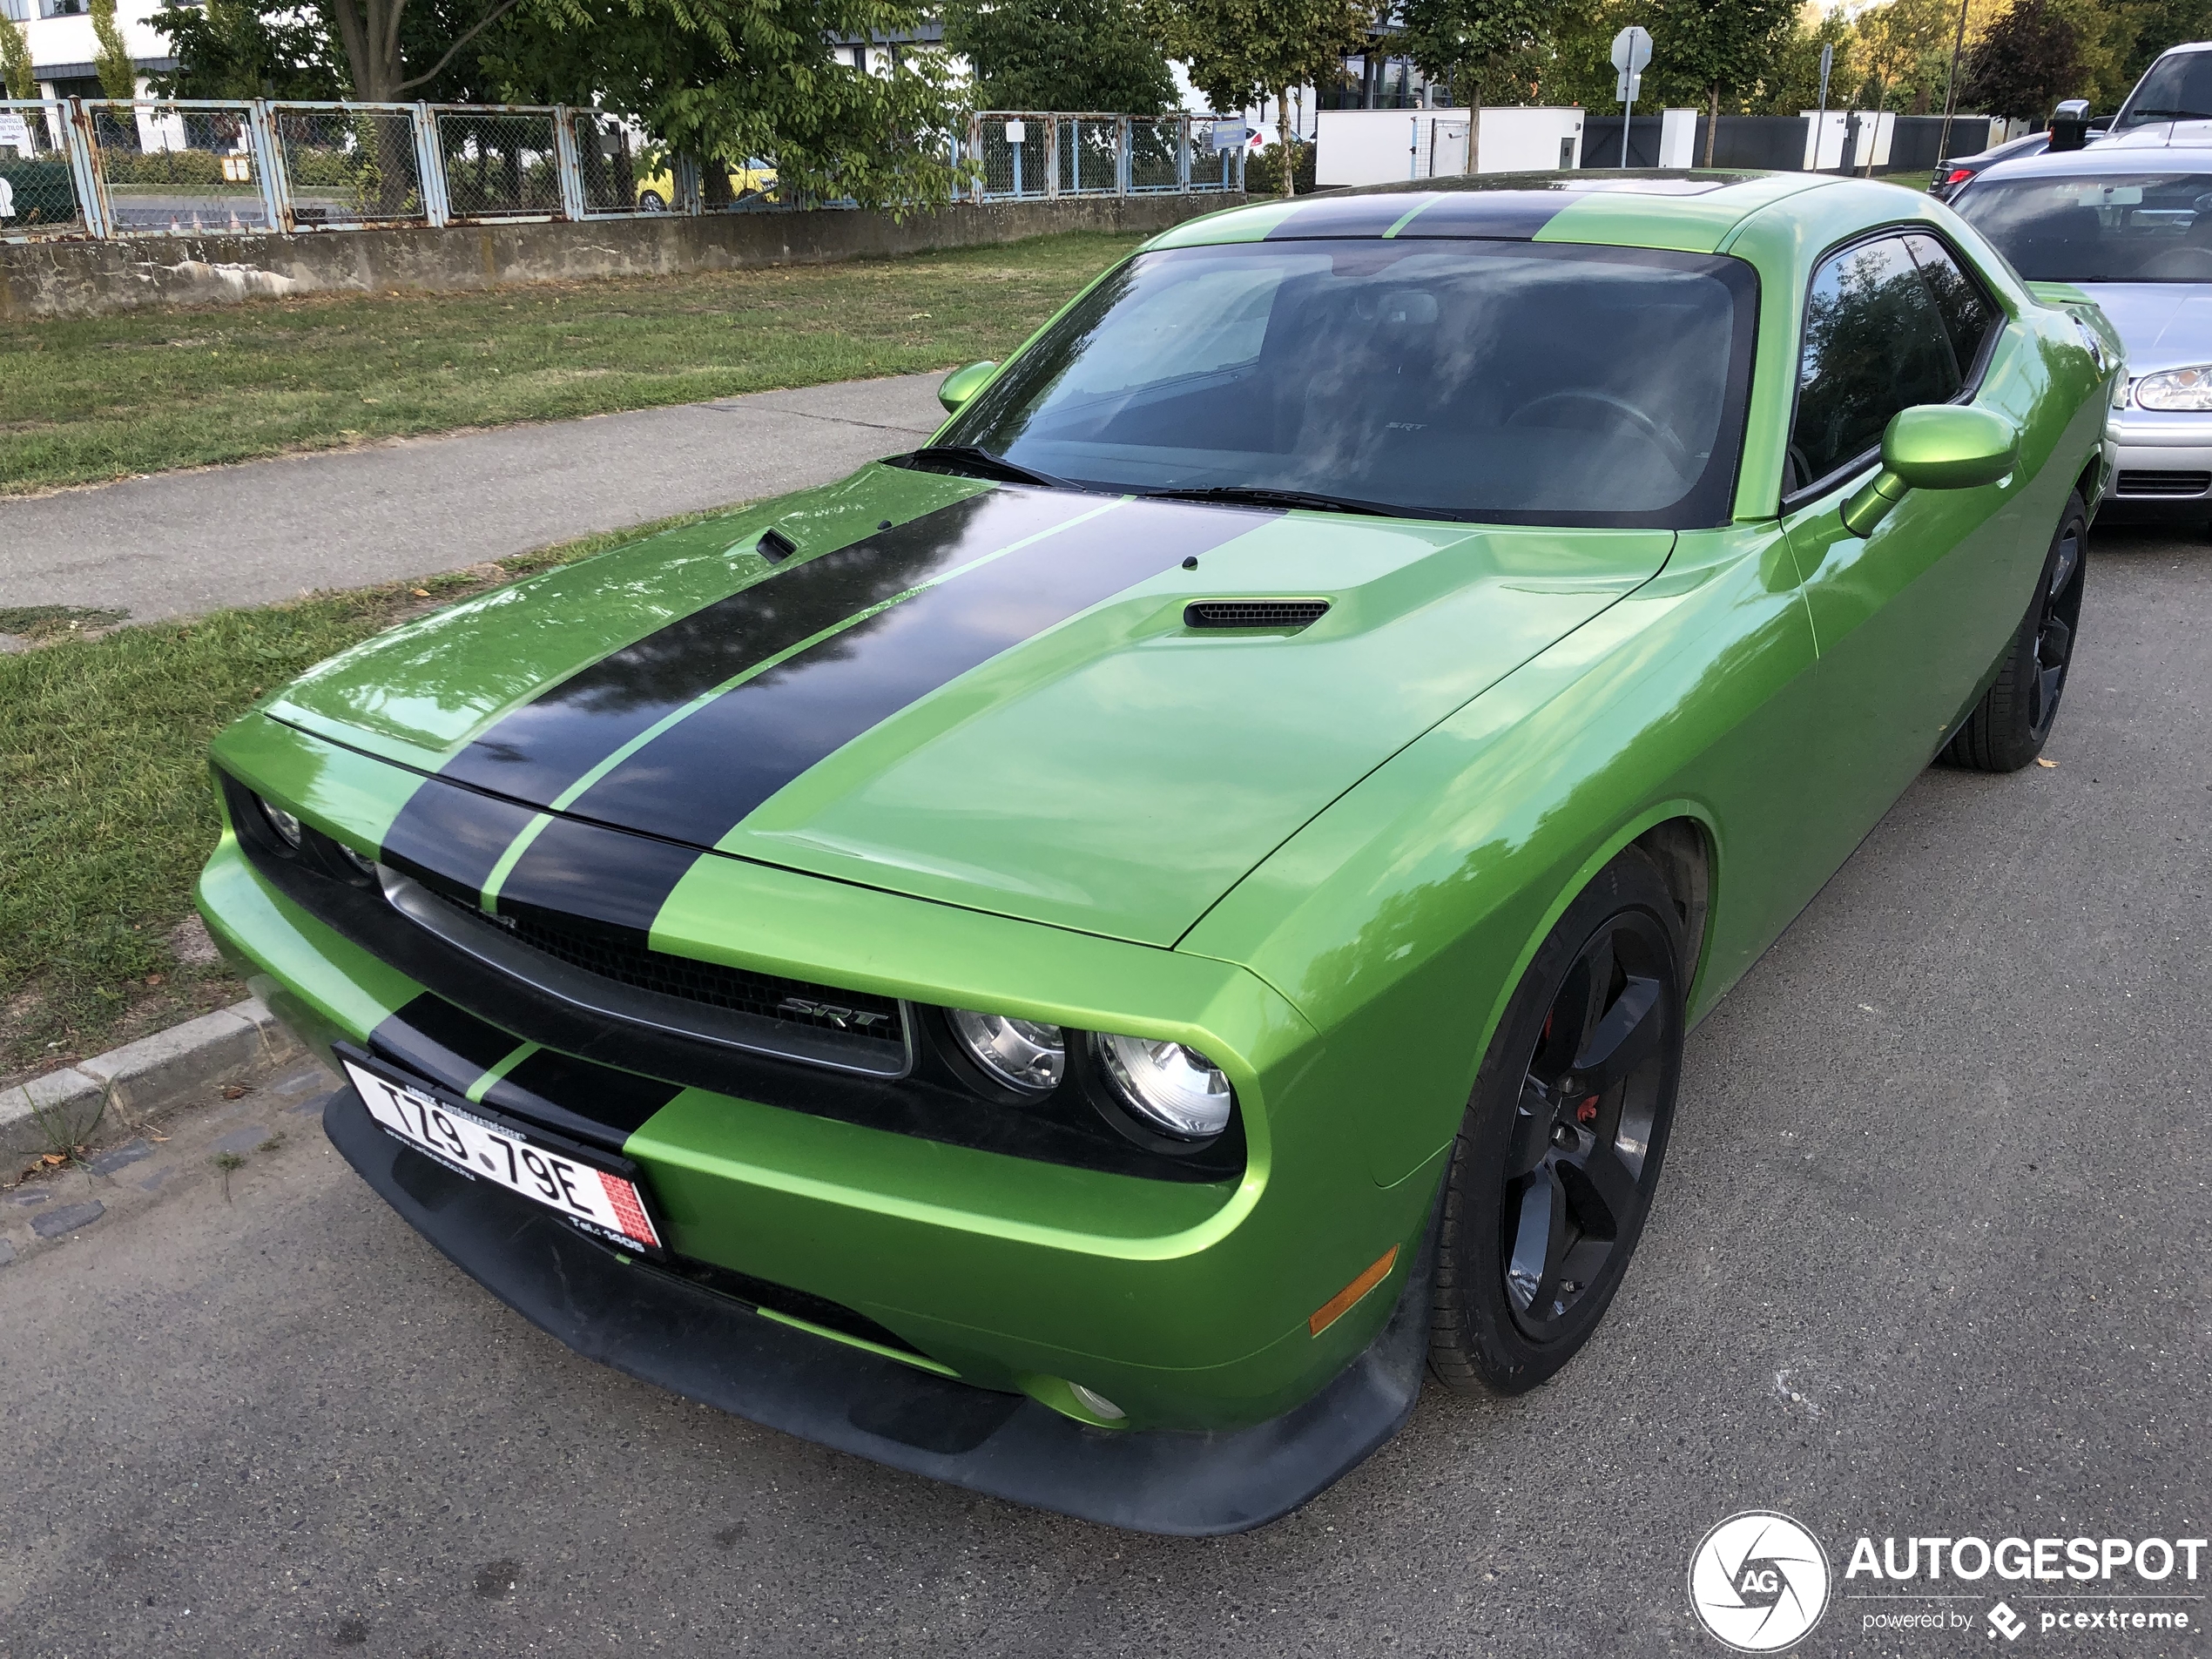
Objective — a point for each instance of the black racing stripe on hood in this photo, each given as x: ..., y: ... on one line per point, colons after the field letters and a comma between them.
x: 576, y: 869
x: 537, y: 751
x: 453, y: 837
x: 696, y: 781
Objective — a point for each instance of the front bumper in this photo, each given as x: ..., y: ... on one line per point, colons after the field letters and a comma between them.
x: 715, y: 1350
x: 2162, y: 468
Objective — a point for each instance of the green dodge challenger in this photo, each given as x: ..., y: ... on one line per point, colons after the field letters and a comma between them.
x: 1083, y: 960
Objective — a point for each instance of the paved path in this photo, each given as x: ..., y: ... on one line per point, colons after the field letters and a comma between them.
x: 1930, y: 1258
x: 176, y: 544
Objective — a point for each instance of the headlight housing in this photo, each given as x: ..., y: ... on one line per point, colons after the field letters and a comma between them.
x: 1025, y: 1056
x: 2187, y: 389
x: 1169, y: 1088
x: 286, y: 825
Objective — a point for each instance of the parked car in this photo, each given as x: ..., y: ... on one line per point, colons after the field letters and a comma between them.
x: 2127, y: 223
x: 1952, y: 176
x: 2176, y: 87
x: 1082, y: 959
x: 756, y: 178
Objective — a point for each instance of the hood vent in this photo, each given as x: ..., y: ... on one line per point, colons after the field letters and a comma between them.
x: 1278, y: 616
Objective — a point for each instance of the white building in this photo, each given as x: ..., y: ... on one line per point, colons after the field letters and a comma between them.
x: 62, y: 47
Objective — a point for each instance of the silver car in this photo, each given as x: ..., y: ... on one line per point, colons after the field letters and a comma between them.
x: 2128, y: 221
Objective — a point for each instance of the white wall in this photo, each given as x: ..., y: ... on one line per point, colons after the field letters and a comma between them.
x: 56, y: 41
x: 1384, y: 146
x: 1824, y: 137
x: 1677, y: 137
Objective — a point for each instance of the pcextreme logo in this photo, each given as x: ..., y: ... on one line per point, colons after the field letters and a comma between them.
x: 1758, y: 1581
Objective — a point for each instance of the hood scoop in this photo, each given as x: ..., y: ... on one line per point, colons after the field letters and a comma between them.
x: 1269, y: 616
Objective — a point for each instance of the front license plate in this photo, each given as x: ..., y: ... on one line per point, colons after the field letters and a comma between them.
x: 597, y: 1198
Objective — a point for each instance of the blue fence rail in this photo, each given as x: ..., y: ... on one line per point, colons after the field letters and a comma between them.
x: 105, y: 168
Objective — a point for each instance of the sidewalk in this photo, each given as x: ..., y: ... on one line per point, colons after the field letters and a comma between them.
x: 176, y: 544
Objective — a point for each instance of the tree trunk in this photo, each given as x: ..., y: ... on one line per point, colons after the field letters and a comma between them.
x: 1712, y: 122
x: 1284, y: 148
x: 1474, y: 128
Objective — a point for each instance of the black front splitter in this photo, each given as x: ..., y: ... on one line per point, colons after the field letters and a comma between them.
x: 707, y: 1347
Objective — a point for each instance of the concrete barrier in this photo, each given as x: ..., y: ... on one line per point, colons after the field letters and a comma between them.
x: 88, y: 279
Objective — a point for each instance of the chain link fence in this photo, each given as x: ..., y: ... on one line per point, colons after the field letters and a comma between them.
x: 500, y: 164
x: 39, y: 190
x: 1019, y: 154
x: 180, y: 166
x: 614, y: 177
x: 104, y: 167
x: 347, y: 165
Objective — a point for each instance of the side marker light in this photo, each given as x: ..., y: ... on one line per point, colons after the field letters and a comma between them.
x: 1341, y: 1304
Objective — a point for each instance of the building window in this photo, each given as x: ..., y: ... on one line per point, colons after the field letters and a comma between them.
x: 63, y: 8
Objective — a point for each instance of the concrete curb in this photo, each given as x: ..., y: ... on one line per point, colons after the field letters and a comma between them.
x: 66, y: 1108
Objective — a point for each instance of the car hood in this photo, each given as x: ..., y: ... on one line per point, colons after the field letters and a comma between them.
x: 1005, y: 699
x: 2163, y: 325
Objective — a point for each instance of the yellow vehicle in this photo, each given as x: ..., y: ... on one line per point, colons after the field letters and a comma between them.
x: 755, y: 177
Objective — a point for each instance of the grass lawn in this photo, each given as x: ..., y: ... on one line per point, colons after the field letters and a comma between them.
x: 105, y: 810
x: 81, y: 401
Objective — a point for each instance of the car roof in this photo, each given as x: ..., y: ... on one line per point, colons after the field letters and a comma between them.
x: 1692, y: 210
x: 2190, y: 154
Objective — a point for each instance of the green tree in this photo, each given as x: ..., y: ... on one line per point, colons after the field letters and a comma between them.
x: 111, y: 56
x: 720, y: 80
x: 1791, y: 82
x: 1905, y: 52
x: 2030, y: 59
x: 236, y: 49
x: 1061, y: 55
x: 1247, y: 52
x: 14, y: 60
x: 1488, y: 47
x: 1714, y: 49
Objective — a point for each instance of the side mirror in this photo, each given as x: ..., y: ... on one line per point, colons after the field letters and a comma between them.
x: 1936, y: 446
x: 2070, y: 124
x: 962, y: 384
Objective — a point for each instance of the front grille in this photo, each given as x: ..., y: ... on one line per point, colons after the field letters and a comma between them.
x: 1287, y: 614
x: 787, y: 1000
x: 2145, y: 482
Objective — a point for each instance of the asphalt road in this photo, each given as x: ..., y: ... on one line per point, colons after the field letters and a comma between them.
x: 177, y: 543
x: 1930, y: 1256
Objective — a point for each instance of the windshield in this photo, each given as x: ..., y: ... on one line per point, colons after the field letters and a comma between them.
x: 2178, y: 88
x: 2117, y: 227
x: 1507, y: 381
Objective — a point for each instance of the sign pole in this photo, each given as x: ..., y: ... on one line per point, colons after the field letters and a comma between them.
x: 1631, y: 52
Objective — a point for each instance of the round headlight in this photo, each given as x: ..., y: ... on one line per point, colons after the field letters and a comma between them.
x: 2176, y: 388
x: 1023, y: 1054
x: 1172, y: 1089
x: 286, y: 826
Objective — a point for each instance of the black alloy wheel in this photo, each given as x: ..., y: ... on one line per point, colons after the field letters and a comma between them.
x: 2008, y: 727
x: 1559, y: 1155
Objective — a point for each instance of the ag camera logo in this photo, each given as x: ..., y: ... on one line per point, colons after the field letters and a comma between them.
x: 1758, y: 1581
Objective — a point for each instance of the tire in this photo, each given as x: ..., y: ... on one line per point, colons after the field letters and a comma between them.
x: 650, y: 201
x: 1546, y: 1137
x: 2009, y: 727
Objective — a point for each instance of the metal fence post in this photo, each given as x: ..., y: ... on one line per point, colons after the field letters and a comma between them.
x: 1052, y: 157
x: 683, y: 179
x: 1182, y: 153
x: 566, y: 163
x: 268, y: 165
x: 85, y: 169
x: 1122, y: 158
x: 430, y: 169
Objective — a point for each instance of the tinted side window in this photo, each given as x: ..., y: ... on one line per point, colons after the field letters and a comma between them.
x: 1875, y: 344
x: 1969, y: 314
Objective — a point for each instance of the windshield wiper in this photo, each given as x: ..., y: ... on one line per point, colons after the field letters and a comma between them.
x: 1261, y: 495
x: 978, y: 462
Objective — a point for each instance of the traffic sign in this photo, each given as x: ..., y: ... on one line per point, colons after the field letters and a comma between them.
x: 1632, y: 49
